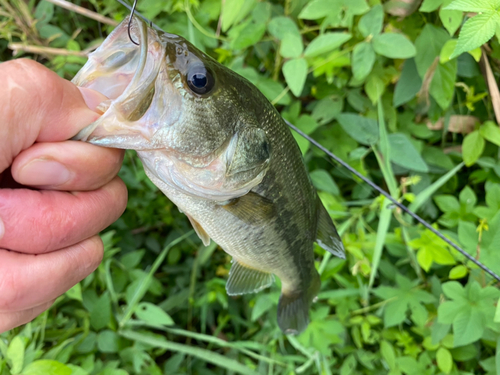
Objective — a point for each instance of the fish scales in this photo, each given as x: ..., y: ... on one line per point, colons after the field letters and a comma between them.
x: 219, y: 150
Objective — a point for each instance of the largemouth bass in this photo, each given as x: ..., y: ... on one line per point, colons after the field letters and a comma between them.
x: 219, y: 150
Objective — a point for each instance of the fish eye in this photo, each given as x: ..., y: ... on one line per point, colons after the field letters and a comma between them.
x: 199, y: 79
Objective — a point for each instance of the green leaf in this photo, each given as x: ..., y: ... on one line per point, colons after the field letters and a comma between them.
x: 429, y: 44
x: 44, y: 12
x: 478, y: 6
x: 491, y: 132
x: 388, y: 353
x: 447, y: 51
x: 250, y: 35
x: 394, y: 46
x: 363, y: 58
x: 153, y: 314
x: 45, y: 367
x: 472, y: 147
x: 476, y: 31
x: 291, y: 46
x: 75, y: 292
x: 279, y: 27
x: 295, y: 72
x: 430, y: 5
x: 372, y: 22
x: 447, y: 203
x: 444, y: 360
x: 100, y: 316
x: 403, y: 153
x: 322, y: 180
x: 326, y: 43
x: 408, y: 85
x: 318, y: 9
x: 468, y: 326
x: 382, y: 229
x: 108, y: 342
x: 451, y: 19
x: 374, y: 88
x: 230, y: 13
x: 362, y: 129
x: 15, y: 355
x: 442, y: 86
x: 458, y: 272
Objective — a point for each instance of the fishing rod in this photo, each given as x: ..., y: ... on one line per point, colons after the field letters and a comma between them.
x: 374, y: 186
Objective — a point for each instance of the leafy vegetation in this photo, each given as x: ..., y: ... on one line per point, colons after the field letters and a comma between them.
x: 403, y: 91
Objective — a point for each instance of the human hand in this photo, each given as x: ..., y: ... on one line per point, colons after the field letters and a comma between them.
x: 48, y: 237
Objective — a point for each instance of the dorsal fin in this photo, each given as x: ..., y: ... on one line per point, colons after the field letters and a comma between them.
x: 243, y: 280
x: 326, y: 235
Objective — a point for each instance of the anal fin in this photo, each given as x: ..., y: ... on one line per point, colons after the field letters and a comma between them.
x: 204, y: 237
x: 243, y: 280
x: 252, y: 208
x: 327, y: 236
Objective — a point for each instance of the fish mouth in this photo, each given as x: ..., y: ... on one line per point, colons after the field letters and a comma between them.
x: 126, y: 74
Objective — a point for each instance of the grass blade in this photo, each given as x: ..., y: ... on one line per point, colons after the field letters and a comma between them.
x: 383, y: 228
x: 203, y: 354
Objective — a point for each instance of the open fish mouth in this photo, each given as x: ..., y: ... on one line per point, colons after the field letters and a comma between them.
x: 125, y: 73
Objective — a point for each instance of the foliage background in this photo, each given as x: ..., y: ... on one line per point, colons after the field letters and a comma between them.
x: 387, y: 88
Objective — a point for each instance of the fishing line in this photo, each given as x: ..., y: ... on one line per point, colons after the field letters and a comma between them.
x: 355, y: 172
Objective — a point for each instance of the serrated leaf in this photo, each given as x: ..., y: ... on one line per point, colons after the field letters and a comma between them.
x: 394, y: 46
x: 472, y: 147
x: 478, y: 6
x: 403, y: 153
x: 476, y: 31
x: 362, y: 129
x: 371, y: 23
x: 326, y: 43
x: 363, y: 58
x: 491, y: 132
x: 295, y: 72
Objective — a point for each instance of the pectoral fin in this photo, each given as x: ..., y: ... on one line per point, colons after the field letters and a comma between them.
x: 243, y: 280
x: 327, y: 236
x: 252, y: 208
x: 204, y: 237
x: 251, y: 151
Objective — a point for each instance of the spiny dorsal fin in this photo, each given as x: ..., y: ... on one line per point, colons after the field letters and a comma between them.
x: 327, y: 236
x: 243, y: 280
x: 251, y: 208
x: 204, y: 237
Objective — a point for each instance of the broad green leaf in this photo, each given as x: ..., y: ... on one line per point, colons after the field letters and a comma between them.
x: 388, y: 353
x: 472, y: 147
x: 318, y: 9
x: 374, y: 87
x: 444, y: 360
x: 429, y: 44
x: 403, y: 153
x: 322, y: 180
x: 458, y: 272
x: 363, y: 58
x: 451, y: 19
x: 295, y: 72
x: 326, y: 43
x: 291, y: 46
x: 44, y: 12
x: 46, y: 367
x: 250, y: 35
x: 447, y: 51
x: 153, y: 314
x: 108, y: 341
x: 307, y: 124
x: 476, y: 31
x: 430, y: 5
x: 371, y: 23
x: 75, y: 292
x: 15, y: 354
x: 442, y: 85
x: 281, y: 26
x: 326, y: 110
x: 478, y: 6
x: 362, y: 129
x: 394, y: 46
x: 491, y: 132
x: 100, y: 316
x: 468, y: 326
x: 408, y: 85
x: 230, y: 12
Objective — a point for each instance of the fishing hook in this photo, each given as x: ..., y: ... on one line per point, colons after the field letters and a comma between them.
x: 132, y: 11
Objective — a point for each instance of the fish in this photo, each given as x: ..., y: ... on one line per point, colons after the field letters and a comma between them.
x: 222, y: 153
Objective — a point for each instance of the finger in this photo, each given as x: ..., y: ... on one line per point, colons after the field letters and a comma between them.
x: 18, y: 318
x: 67, y: 166
x: 38, y: 105
x: 40, y: 221
x: 27, y: 280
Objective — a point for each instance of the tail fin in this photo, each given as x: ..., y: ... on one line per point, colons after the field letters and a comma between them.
x: 293, y: 308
